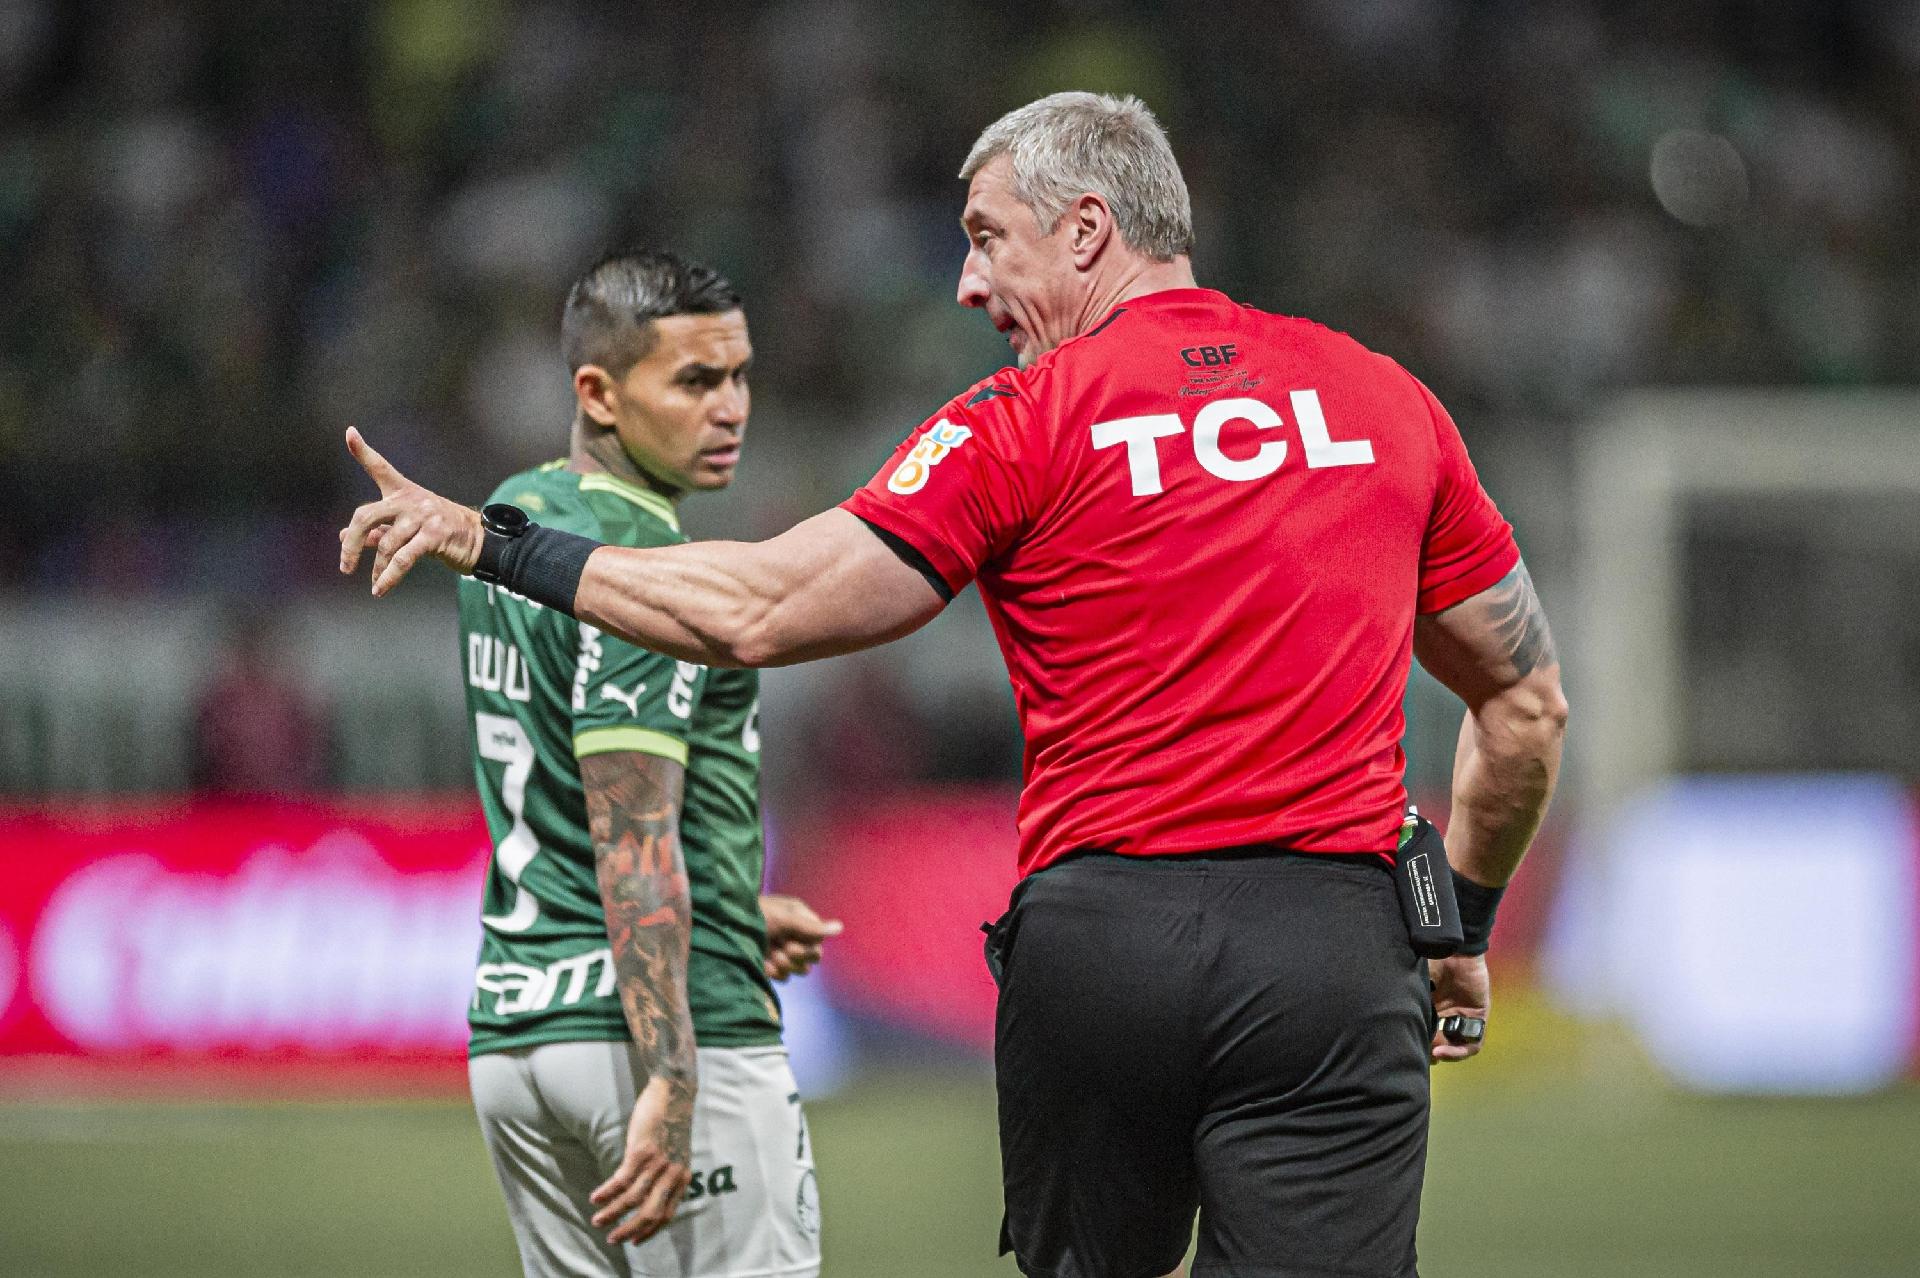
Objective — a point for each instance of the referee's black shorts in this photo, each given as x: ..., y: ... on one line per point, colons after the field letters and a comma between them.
x: 1245, y: 1035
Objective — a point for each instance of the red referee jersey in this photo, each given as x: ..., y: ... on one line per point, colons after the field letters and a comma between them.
x: 1202, y: 533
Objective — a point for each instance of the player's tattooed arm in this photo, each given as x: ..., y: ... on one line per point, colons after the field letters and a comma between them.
x: 633, y: 813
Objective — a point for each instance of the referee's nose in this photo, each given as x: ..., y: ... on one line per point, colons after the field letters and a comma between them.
x: 974, y: 290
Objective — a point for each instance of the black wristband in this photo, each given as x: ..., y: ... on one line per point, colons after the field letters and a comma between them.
x: 1477, y: 907
x: 543, y: 564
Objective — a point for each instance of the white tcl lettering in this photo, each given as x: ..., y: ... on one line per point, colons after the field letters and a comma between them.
x: 1206, y: 440
x: 1140, y: 435
x: 1143, y: 455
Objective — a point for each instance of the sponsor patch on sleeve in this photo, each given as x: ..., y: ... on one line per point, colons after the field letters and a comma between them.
x: 911, y: 475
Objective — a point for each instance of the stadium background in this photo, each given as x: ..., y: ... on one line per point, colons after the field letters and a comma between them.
x: 1620, y: 240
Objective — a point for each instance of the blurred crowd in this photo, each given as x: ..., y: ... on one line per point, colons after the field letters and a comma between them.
x: 230, y: 228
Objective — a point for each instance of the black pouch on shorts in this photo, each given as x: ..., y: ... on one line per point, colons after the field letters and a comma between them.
x: 999, y: 941
x: 996, y: 946
x: 1425, y: 885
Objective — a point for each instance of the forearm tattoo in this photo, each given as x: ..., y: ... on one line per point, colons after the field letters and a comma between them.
x: 633, y: 814
x: 1518, y: 623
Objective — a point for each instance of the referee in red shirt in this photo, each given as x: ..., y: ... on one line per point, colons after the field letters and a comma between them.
x: 1210, y: 540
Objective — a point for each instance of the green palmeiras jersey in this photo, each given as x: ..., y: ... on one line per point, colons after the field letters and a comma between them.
x: 545, y: 691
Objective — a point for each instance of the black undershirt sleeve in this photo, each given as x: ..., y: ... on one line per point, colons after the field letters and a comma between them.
x: 912, y: 558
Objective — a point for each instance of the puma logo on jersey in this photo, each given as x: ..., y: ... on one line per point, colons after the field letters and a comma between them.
x: 610, y: 691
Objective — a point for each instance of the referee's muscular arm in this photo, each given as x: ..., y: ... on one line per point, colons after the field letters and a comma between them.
x: 633, y: 814
x: 826, y: 586
x: 1495, y: 652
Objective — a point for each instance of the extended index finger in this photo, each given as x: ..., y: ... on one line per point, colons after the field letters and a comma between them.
x: 379, y: 468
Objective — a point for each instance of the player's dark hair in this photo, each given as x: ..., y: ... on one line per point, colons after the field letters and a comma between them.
x: 610, y: 310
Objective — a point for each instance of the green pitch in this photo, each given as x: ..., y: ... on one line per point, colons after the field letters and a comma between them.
x: 1600, y: 1177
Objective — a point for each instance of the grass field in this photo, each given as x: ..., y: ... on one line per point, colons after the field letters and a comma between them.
x: 1568, y: 1178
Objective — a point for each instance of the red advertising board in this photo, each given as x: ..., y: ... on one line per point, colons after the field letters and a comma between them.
x: 331, y: 943
x: 914, y: 873
x: 332, y: 940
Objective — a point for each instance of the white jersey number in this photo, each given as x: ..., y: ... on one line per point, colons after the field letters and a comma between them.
x: 503, y: 740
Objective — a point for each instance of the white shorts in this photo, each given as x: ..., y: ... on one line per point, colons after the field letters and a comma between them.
x: 555, y: 1121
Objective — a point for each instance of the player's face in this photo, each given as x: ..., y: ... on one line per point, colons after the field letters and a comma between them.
x: 681, y: 410
x: 1021, y: 274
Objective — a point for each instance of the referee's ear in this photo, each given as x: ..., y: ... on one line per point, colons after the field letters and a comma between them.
x: 1089, y: 227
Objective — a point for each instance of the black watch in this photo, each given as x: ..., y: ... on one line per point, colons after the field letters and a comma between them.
x: 500, y: 523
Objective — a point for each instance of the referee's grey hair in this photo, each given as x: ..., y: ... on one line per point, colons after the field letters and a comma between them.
x: 1070, y: 143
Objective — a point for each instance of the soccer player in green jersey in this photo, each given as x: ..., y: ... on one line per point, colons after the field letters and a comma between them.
x: 623, y: 922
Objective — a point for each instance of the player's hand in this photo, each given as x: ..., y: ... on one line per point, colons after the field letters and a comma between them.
x: 1460, y: 986
x: 639, y: 1199
x: 407, y: 524
x: 794, y: 935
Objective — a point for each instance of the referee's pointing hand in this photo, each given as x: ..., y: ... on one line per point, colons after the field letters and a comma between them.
x: 405, y: 525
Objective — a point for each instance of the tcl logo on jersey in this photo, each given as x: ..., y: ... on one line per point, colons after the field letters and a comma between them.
x: 910, y: 476
x: 1141, y: 435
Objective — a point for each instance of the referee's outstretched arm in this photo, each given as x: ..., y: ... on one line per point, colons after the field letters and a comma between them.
x: 827, y: 586
x: 1495, y: 651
